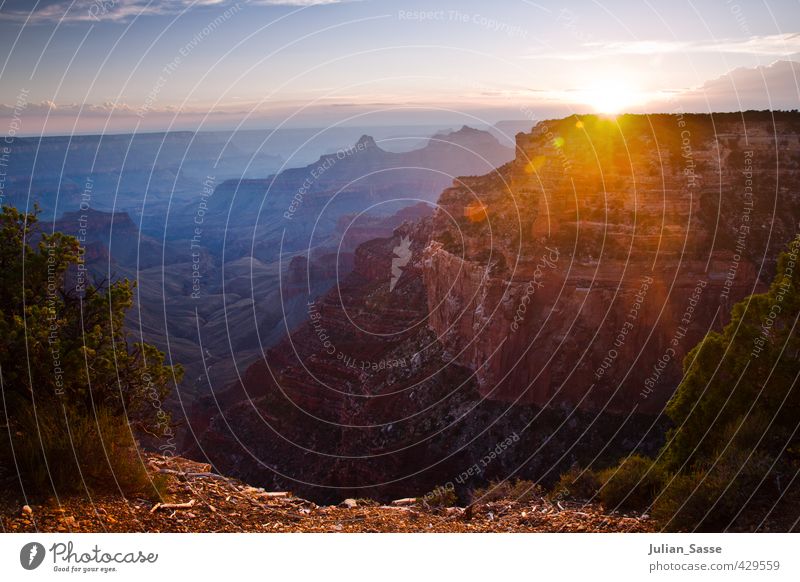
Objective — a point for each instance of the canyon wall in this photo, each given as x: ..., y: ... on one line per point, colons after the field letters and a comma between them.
x: 550, y: 302
x: 585, y: 270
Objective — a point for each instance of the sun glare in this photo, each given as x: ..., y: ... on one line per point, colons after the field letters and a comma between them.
x: 611, y: 96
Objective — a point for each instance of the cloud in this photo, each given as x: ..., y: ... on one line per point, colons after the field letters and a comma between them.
x: 775, y: 86
x: 62, y: 11
x: 776, y: 45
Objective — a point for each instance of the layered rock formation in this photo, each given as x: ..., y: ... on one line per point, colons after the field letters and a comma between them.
x: 549, y: 302
x: 607, y: 250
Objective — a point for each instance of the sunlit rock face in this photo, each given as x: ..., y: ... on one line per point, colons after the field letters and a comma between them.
x: 553, y: 299
x: 607, y: 250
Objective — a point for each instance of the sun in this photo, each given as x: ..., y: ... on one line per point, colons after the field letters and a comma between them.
x: 611, y: 96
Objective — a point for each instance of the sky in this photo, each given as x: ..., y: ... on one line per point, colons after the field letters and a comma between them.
x: 82, y: 66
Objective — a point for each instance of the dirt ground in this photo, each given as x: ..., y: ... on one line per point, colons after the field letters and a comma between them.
x: 200, y: 501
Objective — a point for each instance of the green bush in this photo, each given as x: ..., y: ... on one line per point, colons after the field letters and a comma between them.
x: 734, y: 442
x: 682, y: 503
x: 749, y: 367
x: 76, y: 387
x: 710, y: 499
x: 441, y: 497
x: 65, y: 452
x: 633, y: 484
x: 576, y: 483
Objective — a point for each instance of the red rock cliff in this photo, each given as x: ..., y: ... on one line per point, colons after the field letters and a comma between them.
x: 586, y: 269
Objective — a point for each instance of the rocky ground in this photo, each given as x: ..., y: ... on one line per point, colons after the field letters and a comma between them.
x: 201, y: 501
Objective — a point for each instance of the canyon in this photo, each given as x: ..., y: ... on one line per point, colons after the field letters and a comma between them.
x: 550, y: 301
x: 199, y: 221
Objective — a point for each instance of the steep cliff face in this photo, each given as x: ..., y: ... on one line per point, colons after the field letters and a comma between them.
x: 362, y: 400
x: 591, y: 264
x: 336, y: 408
x: 549, y: 302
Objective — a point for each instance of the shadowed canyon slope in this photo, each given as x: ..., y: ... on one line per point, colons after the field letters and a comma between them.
x: 163, y: 209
